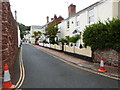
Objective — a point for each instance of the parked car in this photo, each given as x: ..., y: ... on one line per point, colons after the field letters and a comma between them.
x: 37, y: 43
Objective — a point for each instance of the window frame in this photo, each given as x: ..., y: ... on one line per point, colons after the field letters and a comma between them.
x: 91, y: 16
x: 78, y: 20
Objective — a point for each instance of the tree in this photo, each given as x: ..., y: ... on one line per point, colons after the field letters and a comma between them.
x: 36, y: 35
x: 103, y: 35
x: 51, y: 31
x: 23, y: 29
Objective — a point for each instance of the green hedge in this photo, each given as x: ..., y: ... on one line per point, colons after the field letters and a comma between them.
x: 103, y: 35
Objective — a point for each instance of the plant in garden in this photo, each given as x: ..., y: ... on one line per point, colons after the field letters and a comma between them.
x: 74, y: 39
x: 63, y: 40
x: 103, y: 35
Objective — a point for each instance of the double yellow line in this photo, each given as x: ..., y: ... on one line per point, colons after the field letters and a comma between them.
x: 22, y: 71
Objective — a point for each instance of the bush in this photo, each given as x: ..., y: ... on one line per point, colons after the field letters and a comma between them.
x: 100, y: 35
x: 74, y: 38
x: 70, y: 39
x: 63, y: 40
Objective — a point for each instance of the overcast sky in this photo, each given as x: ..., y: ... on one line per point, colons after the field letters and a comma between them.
x: 34, y: 12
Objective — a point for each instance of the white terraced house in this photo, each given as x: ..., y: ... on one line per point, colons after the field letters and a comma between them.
x: 76, y: 22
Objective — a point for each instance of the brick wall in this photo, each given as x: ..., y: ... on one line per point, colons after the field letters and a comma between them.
x: 0, y: 44
x: 9, y: 35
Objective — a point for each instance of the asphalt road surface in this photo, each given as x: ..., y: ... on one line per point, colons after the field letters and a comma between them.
x: 45, y: 71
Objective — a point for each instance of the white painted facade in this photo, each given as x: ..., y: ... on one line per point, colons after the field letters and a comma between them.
x: 43, y: 31
x: 101, y: 10
x: 27, y: 37
x: 34, y: 28
x: 19, y: 38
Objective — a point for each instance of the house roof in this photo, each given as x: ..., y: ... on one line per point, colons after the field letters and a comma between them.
x: 36, y: 27
x: 56, y: 20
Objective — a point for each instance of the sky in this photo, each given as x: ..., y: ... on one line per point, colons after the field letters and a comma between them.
x: 34, y: 12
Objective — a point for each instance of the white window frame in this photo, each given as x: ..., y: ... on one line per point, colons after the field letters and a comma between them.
x: 78, y: 20
x: 91, y: 16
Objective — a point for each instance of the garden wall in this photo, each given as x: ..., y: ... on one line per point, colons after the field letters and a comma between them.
x: 111, y: 56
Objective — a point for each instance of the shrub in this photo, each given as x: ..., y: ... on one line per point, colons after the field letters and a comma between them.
x: 100, y: 35
x: 63, y: 40
x: 74, y: 38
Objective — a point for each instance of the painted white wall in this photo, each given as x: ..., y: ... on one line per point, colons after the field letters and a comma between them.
x: 103, y: 11
x: 119, y: 9
x: 32, y: 30
x: 116, y: 7
x: 19, y: 39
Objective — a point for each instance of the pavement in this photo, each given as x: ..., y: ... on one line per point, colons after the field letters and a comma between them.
x: 112, y: 72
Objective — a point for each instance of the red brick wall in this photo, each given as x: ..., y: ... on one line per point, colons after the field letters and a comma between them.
x: 9, y: 35
x: 0, y: 44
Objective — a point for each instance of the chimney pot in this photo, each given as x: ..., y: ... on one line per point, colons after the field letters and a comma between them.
x: 47, y: 19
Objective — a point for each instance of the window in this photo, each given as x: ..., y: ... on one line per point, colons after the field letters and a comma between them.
x: 78, y: 21
x: 68, y: 24
x: 91, y: 16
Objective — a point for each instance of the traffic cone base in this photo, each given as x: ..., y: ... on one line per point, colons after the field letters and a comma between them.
x: 8, y: 84
x: 7, y: 81
x: 102, y: 70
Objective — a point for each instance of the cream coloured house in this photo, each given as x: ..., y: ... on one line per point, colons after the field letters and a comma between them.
x: 34, y: 28
x: 76, y: 22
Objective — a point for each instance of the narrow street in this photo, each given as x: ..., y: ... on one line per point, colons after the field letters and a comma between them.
x: 45, y: 71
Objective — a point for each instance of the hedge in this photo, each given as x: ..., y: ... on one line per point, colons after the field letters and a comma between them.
x: 103, y: 35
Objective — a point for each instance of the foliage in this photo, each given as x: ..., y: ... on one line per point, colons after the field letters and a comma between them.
x: 23, y: 29
x: 70, y: 39
x: 51, y: 31
x: 36, y: 35
x: 103, y: 35
x: 74, y: 38
x: 63, y: 40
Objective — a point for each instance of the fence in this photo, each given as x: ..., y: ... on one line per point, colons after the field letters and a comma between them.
x: 73, y: 49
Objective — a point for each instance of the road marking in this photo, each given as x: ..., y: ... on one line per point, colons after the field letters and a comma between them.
x: 82, y: 68
x: 22, y: 71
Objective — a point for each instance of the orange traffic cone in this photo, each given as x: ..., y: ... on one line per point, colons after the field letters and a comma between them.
x: 7, y: 81
x: 102, y: 68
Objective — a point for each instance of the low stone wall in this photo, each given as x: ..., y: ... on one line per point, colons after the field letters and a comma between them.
x: 111, y: 56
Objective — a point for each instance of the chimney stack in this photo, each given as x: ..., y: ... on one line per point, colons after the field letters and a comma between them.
x: 15, y: 15
x: 55, y: 17
x: 71, y: 10
x: 47, y: 19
